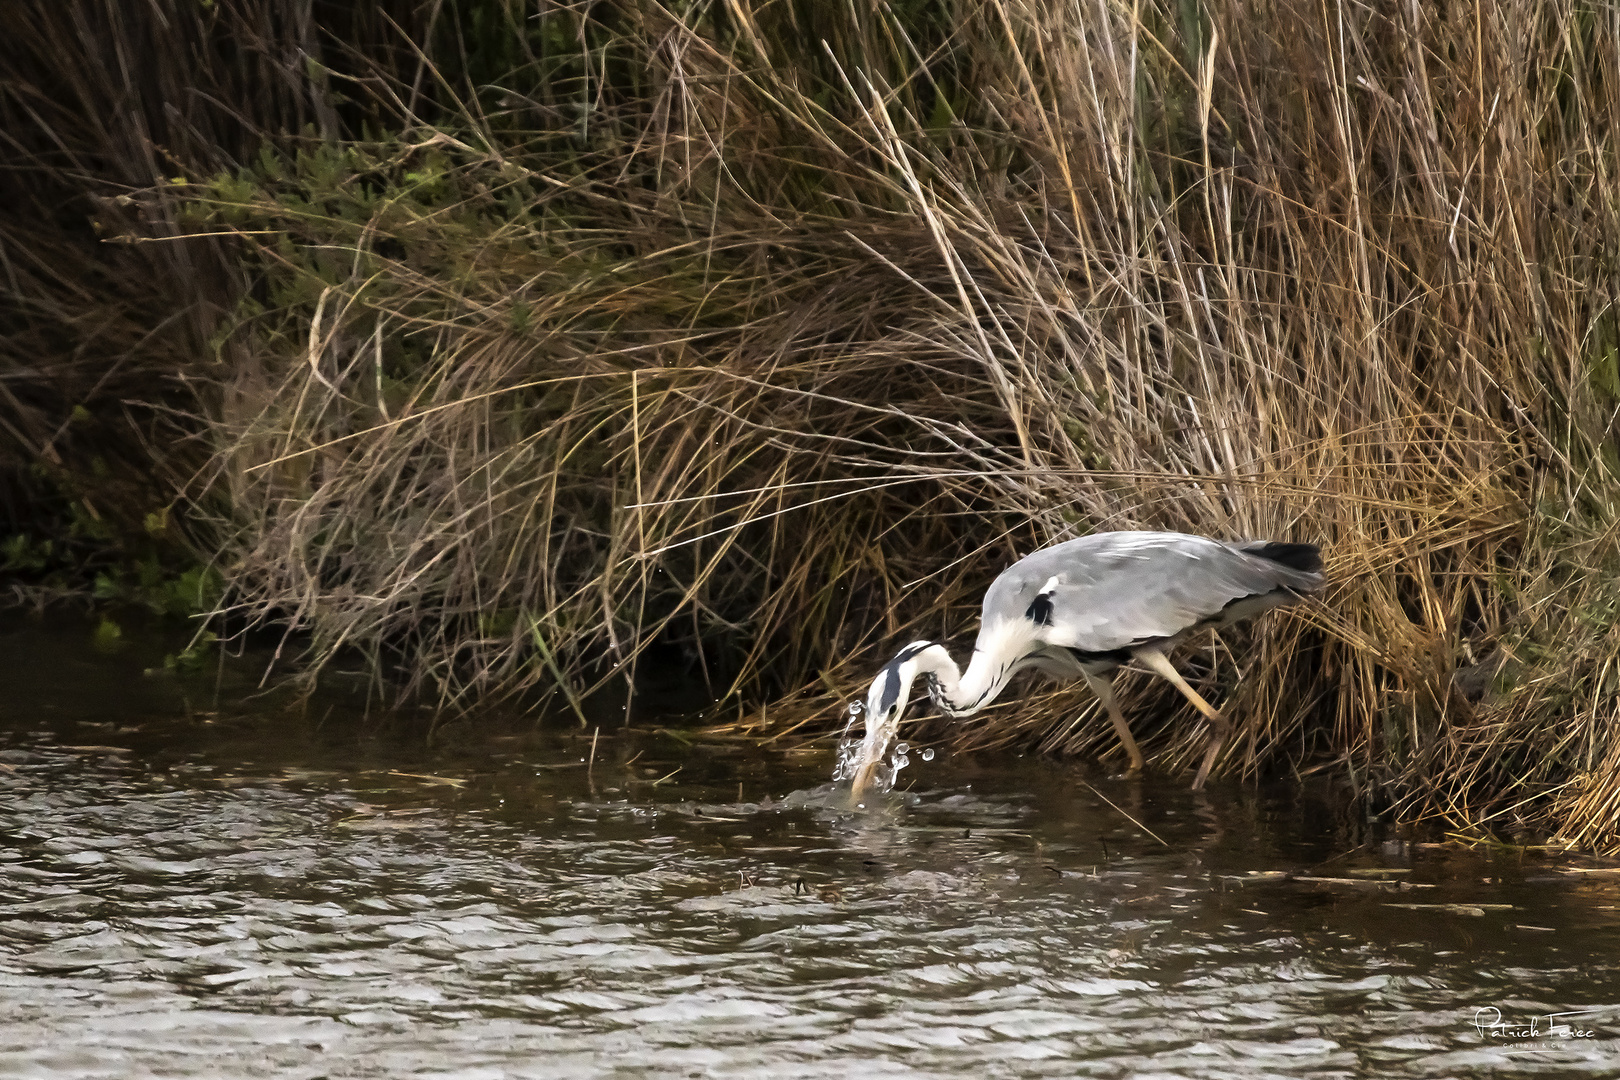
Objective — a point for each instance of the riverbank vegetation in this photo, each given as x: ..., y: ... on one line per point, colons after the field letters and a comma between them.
x: 510, y: 345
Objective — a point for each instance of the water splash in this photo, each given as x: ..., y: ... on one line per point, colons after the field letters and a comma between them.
x: 901, y: 758
x: 849, y: 746
x: 871, y: 751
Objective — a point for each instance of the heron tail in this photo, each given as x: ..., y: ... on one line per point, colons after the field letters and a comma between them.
x: 1306, y: 558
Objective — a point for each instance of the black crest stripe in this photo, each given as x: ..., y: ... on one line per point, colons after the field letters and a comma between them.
x: 891, y: 688
x: 908, y: 652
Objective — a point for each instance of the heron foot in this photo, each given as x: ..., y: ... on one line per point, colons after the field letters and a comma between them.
x: 1217, y: 736
x: 1133, y: 771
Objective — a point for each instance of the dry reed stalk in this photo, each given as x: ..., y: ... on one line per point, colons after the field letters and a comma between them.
x: 684, y: 336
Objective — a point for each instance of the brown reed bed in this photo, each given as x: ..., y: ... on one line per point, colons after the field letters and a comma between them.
x: 765, y: 335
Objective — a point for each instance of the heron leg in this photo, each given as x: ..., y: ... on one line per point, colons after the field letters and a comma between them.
x: 1103, y: 687
x: 1218, y: 727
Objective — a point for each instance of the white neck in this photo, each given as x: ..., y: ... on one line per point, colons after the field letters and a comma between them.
x: 957, y: 694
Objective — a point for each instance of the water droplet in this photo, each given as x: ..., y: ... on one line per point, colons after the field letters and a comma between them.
x: 928, y: 755
x: 902, y: 749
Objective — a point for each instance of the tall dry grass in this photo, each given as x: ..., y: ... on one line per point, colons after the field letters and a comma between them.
x: 105, y: 313
x: 765, y: 335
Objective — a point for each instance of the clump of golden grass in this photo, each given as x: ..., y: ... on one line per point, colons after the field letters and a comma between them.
x: 677, y: 331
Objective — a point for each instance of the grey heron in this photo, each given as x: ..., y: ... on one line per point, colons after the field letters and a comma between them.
x: 1083, y: 608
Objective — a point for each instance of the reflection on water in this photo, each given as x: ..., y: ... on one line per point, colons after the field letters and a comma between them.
x: 231, y: 894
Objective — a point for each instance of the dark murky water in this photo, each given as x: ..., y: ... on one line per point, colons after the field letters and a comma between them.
x: 242, y: 892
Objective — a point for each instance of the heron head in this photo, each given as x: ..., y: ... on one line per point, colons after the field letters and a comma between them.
x: 885, y: 702
x: 891, y: 690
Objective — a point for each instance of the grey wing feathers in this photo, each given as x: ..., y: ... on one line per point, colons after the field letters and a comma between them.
x: 1112, y: 590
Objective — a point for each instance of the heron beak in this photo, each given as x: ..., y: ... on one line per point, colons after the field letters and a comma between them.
x: 882, y: 714
x: 885, y: 703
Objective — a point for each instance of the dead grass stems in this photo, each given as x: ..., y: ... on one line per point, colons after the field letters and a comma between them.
x: 680, y: 335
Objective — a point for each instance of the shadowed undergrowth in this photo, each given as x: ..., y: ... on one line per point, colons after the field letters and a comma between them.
x: 763, y: 336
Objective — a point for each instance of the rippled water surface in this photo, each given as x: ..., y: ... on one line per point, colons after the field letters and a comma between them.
x: 244, y: 890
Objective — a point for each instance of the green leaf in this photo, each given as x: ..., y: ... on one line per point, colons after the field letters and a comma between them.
x: 108, y: 636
